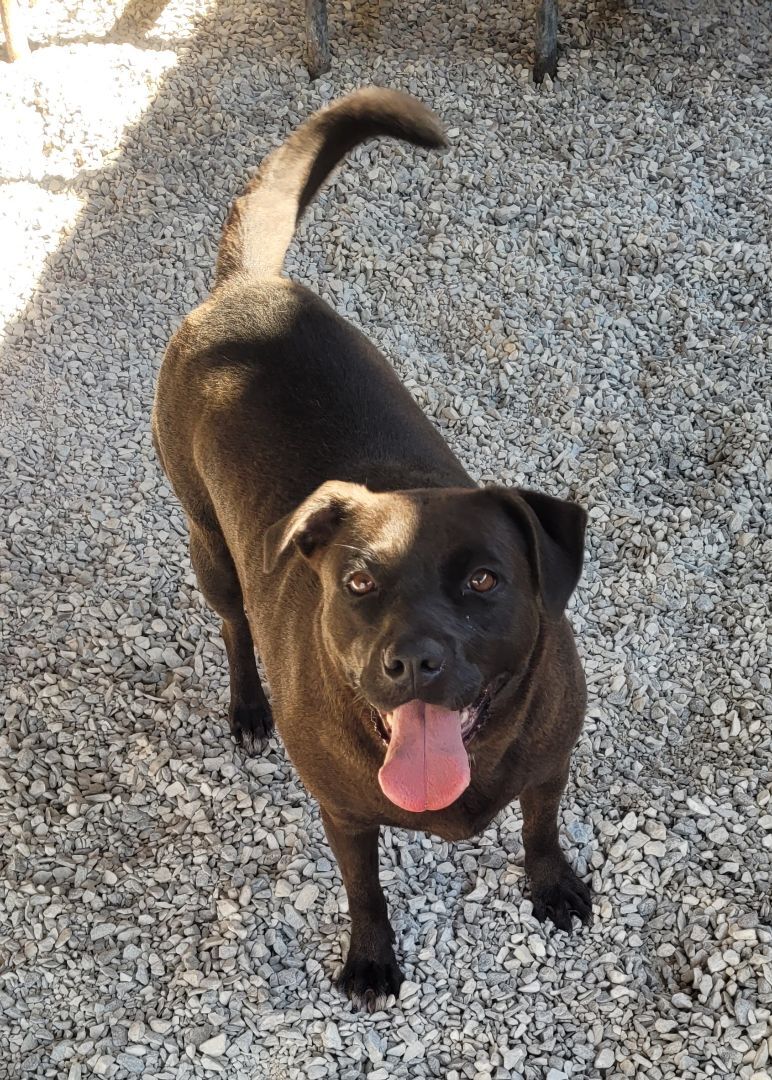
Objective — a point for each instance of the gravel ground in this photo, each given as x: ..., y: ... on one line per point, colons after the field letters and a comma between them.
x: 578, y: 293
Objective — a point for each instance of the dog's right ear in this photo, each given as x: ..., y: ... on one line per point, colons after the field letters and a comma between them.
x: 311, y: 526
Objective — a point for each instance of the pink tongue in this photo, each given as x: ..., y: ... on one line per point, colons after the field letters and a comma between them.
x: 426, y: 766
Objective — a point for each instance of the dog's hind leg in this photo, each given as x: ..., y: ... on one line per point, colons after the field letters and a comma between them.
x: 249, y: 713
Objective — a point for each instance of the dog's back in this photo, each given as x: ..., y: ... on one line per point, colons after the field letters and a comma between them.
x: 265, y: 363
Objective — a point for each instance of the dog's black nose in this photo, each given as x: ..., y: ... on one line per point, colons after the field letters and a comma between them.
x: 414, y: 663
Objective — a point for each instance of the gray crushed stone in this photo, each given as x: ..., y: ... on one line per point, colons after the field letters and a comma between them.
x: 578, y: 293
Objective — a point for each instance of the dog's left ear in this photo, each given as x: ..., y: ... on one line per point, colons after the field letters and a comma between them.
x: 554, y: 530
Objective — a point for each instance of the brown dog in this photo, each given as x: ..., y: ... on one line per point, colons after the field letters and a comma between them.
x: 411, y: 624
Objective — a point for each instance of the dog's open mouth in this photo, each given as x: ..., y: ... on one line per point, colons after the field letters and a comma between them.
x: 427, y: 762
x: 472, y: 718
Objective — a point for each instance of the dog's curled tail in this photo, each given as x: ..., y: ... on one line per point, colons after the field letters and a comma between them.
x: 263, y: 219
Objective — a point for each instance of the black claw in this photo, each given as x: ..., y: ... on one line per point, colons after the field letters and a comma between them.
x: 251, y: 725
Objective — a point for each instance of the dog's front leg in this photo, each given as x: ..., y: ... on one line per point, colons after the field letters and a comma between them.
x: 558, y: 894
x: 371, y: 970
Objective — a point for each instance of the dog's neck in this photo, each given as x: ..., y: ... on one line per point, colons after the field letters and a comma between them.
x: 384, y: 476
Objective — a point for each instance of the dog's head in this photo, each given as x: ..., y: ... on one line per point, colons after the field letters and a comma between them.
x: 431, y: 602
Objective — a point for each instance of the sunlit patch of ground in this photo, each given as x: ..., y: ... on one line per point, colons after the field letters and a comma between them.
x: 93, y: 70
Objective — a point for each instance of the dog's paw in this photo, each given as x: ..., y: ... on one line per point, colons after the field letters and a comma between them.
x: 251, y: 725
x: 369, y: 982
x: 560, y: 900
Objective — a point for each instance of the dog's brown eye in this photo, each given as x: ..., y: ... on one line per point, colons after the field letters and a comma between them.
x: 483, y: 581
x: 360, y: 583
